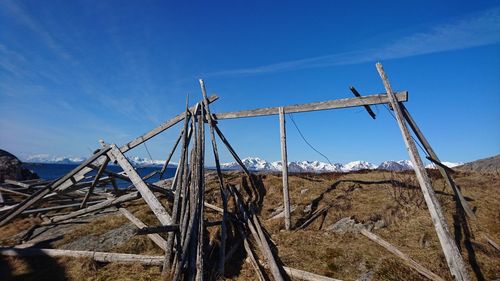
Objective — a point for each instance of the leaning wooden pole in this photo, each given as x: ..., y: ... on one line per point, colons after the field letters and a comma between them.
x: 284, y: 165
x: 447, y: 177
x: 450, y: 249
x: 223, y: 190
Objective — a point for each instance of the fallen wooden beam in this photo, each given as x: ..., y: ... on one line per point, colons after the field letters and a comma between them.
x: 307, y: 276
x: 97, y: 256
x: 315, y: 106
x: 406, y: 259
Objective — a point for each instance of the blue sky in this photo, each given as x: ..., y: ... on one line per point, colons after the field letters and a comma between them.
x: 74, y: 72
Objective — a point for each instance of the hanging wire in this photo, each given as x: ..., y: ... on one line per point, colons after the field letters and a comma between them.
x: 300, y: 133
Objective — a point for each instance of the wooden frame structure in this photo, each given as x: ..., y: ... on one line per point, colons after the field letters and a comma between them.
x: 185, y: 246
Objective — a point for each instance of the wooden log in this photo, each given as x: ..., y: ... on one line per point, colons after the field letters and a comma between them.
x: 307, y: 276
x: 222, y: 189
x: 99, y: 206
x: 139, y: 140
x: 156, y: 238
x: 444, y: 172
x: 284, y: 165
x: 97, y: 256
x: 450, y: 249
x: 407, y: 260
x: 141, y: 186
x: 325, y: 105
x: 367, y: 107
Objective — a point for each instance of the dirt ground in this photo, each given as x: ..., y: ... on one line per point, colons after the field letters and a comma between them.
x: 390, y: 200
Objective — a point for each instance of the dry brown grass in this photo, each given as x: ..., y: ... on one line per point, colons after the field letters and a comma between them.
x: 365, y: 196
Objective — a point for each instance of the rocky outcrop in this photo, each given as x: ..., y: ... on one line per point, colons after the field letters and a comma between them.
x: 11, y: 168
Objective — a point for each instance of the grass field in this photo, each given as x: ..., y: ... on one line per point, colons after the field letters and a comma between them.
x: 393, y: 198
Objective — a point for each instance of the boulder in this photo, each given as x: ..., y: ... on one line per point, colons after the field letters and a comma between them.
x: 11, y: 168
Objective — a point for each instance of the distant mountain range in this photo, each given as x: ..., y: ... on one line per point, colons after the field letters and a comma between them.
x: 258, y: 164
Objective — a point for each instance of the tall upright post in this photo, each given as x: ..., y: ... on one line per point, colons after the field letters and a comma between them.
x: 284, y: 164
x: 450, y: 249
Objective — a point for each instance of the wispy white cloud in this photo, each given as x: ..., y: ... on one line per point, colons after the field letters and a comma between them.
x: 474, y: 30
x: 17, y: 11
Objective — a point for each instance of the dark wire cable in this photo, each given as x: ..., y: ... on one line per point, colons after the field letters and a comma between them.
x: 300, y: 133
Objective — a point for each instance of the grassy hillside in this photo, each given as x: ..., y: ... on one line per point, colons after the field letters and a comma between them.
x: 391, y: 199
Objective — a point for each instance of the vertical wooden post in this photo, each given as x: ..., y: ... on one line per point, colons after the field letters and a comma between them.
x: 284, y: 164
x: 450, y: 250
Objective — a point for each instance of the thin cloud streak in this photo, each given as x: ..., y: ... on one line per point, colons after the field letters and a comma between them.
x: 475, y: 30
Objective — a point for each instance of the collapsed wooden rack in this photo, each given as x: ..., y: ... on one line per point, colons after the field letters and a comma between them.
x: 185, y: 246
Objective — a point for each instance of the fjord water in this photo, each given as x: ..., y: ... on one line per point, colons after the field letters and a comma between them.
x: 53, y: 171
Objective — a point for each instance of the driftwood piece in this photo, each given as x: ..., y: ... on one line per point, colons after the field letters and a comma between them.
x: 156, y: 238
x: 284, y: 165
x: 97, y: 256
x: 407, y: 260
x: 450, y: 249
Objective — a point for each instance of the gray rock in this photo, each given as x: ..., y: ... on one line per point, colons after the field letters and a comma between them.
x: 105, y: 242
x: 304, y: 190
x: 12, y: 168
x: 342, y: 226
x: 308, y: 208
x: 365, y: 276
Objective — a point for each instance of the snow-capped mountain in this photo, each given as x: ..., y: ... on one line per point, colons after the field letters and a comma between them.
x: 400, y: 165
x: 47, y: 158
x: 50, y: 159
x: 447, y: 164
x: 257, y: 164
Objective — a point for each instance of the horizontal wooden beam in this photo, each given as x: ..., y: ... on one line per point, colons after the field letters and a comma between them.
x: 315, y: 106
x: 97, y: 256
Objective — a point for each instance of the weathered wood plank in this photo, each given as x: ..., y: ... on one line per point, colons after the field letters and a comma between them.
x: 450, y: 250
x: 444, y: 172
x: 222, y: 189
x: 325, y: 105
x: 97, y: 256
x: 407, y: 260
x: 307, y: 276
x: 141, y: 186
x: 284, y: 165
